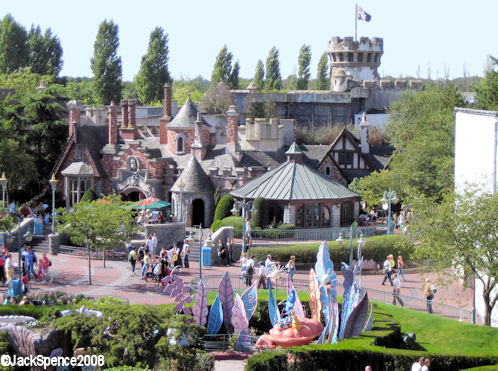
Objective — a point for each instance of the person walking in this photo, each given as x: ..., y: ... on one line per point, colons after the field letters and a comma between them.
x: 429, y: 291
x: 248, y: 234
x: 262, y: 276
x: 401, y: 265
x: 45, y: 266
x: 185, y: 254
x: 30, y: 260
x: 243, y: 260
x: 146, y: 265
x: 222, y: 253
x: 9, y: 267
x: 154, y: 246
x: 387, y: 271
x: 249, y: 270
x: 132, y: 258
x: 397, y: 290
x: 291, y: 267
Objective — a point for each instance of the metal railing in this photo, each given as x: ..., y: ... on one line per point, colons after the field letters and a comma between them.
x: 319, y: 234
x: 212, y: 282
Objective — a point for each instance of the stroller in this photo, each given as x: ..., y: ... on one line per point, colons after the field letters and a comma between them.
x: 154, y: 272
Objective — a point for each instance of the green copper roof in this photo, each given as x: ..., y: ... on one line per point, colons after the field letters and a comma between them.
x: 293, y: 181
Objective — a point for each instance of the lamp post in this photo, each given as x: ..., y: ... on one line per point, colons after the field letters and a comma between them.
x: 53, y: 184
x: 388, y: 198
x: 361, y: 242
x: 28, y: 236
x: 3, y: 182
x: 181, y: 185
x: 235, y: 211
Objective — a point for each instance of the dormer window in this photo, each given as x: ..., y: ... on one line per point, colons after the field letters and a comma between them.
x: 180, y: 144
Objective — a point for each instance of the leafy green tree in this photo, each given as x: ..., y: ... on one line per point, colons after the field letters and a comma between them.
x: 461, y: 233
x: 45, y: 52
x: 487, y: 91
x: 233, y: 79
x: 154, y: 72
x: 13, y: 45
x: 81, y: 89
x: 322, y: 74
x: 304, y: 74
x: 106, y: 65
x: 273, y: 77
x: 259, y: 75
x: 97, y: 225
x: 23, y: 80
x: 260, y: 217
x: 89, y: 196
x: 222, y: 67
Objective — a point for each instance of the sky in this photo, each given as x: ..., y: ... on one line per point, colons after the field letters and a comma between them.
x: 442, y: 36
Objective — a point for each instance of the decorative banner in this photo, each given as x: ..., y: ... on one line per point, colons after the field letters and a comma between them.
x: 226, y: 296
x: 356, y: 320
x: 200, y: 309
x: 347, y: 299
x: 239, y: 317
x: 298, y: 307
x: 315, y: 303
x: 250, y: 300
x: 273, y: 308
x: 215, y: 317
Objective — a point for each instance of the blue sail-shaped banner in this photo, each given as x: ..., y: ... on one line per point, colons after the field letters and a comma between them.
x: 215, y: 317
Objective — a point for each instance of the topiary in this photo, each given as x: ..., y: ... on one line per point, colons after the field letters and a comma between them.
x: 260, y: 218
x: 223, y: 208
x: 89, y: 195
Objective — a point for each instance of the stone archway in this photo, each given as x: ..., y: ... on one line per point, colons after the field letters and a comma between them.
x: 197, y: 212
x: 132, y: 194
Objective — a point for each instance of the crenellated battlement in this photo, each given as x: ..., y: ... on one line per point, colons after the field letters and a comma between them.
x: 260, y: 129
x: 348, y: 43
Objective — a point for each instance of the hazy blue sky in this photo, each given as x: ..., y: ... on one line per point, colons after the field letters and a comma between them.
x: 416, y: 33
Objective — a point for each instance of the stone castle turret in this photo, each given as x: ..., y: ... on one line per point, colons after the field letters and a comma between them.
x: 357, y: 59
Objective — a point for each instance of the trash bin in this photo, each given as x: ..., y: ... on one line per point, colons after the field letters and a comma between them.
x: 38, y: 226
x: 15, y: 288
x: 206, y: 256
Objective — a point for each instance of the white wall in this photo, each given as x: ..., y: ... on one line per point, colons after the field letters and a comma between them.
x: 476, y: 142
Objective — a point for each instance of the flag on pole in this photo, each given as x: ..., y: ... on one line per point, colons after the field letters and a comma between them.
x: 362, y: 15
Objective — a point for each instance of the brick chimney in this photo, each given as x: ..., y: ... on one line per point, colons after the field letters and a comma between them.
x: 232, y: 130
x: 364, y: 126
x: 113, y: 124
x: 124, y: 113
x: 198, y: 148
x: 74, y: 120
x: 166, y: 119
x: 132, y: 118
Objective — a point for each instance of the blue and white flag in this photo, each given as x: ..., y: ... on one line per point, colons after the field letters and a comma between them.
x: 362, y: 15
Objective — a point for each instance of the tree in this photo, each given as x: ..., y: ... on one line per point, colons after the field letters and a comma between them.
x: 89, y: 195
x: 304, y: 74
x: 222, y: 67
x: 23, y: 80
x: 13, y: 45
x: 97, y: 225
x: 260, y: 217
x: 460, y: 232
x: 273, y: 77
x: 45, y: 52
x: 233, y: 79
x: 322, y: 75
x: 154, y: 72
x: 487, y: 92
x: 259, y: 75
x: 217, y: 99
x: 223, y: 208
x: 106, y: 65
x: 81, y: 89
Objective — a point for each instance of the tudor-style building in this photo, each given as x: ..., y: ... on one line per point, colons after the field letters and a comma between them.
x: 114, y: 154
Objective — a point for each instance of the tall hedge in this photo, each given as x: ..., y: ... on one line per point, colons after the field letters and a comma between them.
x: 89, y: 195
x: 223, y: 208
x: 260, y: 218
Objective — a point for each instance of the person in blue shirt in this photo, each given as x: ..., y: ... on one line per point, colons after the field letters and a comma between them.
x: 29, y: 259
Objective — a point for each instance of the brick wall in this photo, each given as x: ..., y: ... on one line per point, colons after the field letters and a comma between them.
x: 335, y: 172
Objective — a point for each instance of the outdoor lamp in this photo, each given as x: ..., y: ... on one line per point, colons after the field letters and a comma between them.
x: 3, y: 180
x: 9, y: 239
x: 340, y: 239
x: 28, y: 236
x: 234, y: 210
x: 385, y: 205
x: 209, y: 241
x: 253, y: 210
x: 361, y: 241
x: 190, y: 239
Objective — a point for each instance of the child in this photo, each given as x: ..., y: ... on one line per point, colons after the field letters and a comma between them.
x: 40, y: 271
x: 25, y: 282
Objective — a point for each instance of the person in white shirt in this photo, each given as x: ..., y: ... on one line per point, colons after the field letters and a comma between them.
x: 154, y: 246
x: 417, y: 366
x: 249, y: 270
x: 387, y: 271
x: 269, y: 263
x: 427, y: 364
x: 262, y: 276
x: 397, y: 290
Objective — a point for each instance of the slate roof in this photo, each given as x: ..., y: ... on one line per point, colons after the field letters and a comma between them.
x: 186, y: 117
x: 94, y: 138
x: 294, y: 181
x: 194, y: 178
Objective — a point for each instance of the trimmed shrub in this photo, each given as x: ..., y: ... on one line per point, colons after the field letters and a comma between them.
x: 223, y: 208
x: 376, y: 248
x: 89, y: 195
x: 231, y: 221
x: 260, y: 218
x: 286, y: 226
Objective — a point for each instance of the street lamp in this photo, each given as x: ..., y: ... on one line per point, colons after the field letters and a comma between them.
x: 388, y: 198
x: 53, y: 184
x: 3, y: 182
x: 235, y: 211
x: 28, y: 236
x: 181, y: 185
x: 361, y: 242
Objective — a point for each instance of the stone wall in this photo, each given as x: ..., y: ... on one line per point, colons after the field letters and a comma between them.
x: 167, y: 234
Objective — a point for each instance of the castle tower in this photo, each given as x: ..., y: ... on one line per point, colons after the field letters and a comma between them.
x: 358, y: 59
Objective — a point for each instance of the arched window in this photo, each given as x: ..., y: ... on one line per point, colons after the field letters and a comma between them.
x: 179, y: 145
x: 327, y: 170
x: 325, y: 216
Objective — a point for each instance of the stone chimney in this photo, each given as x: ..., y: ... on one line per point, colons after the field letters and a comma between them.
x: 199, y: 150
x: 232, y: 130
x: 132, y: 118
x: 113, y: 124
x: 364, y: 126
x: 74, y: 120
x: 166, y: 119
x: 124, y: 113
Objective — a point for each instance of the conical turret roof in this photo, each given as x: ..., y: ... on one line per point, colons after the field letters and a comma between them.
x: 186, y: 117
x: 194, y: 178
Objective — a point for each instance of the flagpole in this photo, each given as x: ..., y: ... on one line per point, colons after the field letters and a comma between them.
x: 355, y: 21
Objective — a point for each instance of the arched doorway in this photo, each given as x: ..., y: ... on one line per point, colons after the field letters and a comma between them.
x: 132, y: 196
x: 197, y: 212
